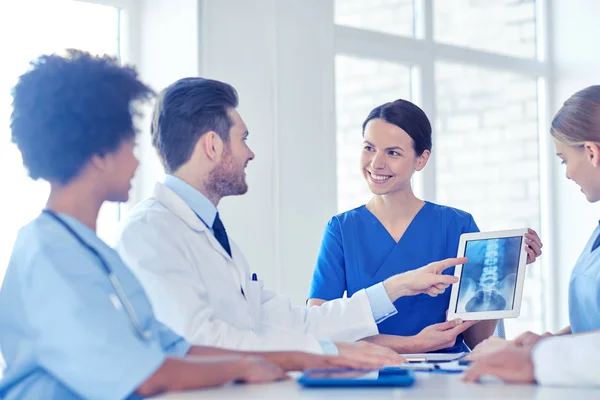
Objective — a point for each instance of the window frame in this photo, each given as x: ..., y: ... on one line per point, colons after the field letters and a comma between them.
x: 128, y: 35
x: 128, y: 28
x: 422, y: 52
x: 128, y: 53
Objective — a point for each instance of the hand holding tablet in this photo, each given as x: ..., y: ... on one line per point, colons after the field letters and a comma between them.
x: 490, y: 283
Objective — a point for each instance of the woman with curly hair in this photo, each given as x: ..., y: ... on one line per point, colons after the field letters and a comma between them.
x: 74, y: 321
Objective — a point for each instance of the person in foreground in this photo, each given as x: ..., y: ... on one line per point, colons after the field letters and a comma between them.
x: 74, y: 321
x: 555, y: 361
x: 571, y: 356
x: 397, y: 232
x: 198, y: 279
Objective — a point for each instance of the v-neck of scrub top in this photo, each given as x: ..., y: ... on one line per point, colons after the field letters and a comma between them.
x: 387, y: 249
x: 413, y: 221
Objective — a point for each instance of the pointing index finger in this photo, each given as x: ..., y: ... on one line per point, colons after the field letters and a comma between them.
x: 443, y: 265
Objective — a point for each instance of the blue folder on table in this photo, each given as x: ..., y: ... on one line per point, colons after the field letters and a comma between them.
x: 386, y: 377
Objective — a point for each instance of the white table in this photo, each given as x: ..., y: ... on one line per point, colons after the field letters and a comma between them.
x: 427, y: 386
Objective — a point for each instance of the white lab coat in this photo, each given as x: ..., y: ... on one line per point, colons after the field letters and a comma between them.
x: 194, y: 287
x: 570, y: 360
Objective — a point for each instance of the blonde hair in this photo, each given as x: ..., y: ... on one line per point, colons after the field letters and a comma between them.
x: 578, y: 121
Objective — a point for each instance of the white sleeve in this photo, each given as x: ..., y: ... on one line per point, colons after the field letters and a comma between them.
x: 180, y: 297
x: 570, y: 360
x: 339, y: 320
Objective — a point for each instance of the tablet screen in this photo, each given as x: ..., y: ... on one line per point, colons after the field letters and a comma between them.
x: 488, y: 281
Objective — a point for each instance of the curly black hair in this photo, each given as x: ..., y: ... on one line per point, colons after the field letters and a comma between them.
x: 67, y: 109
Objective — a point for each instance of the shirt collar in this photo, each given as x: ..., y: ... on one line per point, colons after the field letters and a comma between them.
x: 203, y: 208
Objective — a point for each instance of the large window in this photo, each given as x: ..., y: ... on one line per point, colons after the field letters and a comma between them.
x: 499, y: 26
x: 476, y: 69
x: 391, y: 16
x: 361, y: 83
x: 29, y: 29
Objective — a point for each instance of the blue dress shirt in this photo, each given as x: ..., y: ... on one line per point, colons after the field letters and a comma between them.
x: 204, y: 208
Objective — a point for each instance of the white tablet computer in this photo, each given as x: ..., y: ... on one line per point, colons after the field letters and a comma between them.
x: 490, y: 284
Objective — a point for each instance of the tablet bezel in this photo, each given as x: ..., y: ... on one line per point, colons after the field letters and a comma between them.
x: 487, y: 315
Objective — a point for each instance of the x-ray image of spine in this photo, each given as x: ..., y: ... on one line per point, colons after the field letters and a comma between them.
x: 488, y: 279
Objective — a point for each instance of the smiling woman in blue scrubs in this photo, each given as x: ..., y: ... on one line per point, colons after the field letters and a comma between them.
x: 397, y: 232
x: 74, y: 321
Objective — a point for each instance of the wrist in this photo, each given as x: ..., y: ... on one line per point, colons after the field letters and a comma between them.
x: 395, y: 287
x: 286, y: 360
x: 406, y: 344
x: 241, y: 367
x: 418, y: 345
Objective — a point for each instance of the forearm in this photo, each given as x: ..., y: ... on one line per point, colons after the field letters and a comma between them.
x: 177, y: 374
x: 209, y: 351
x: 286, y: 360
x: 400, y: 344
x: 479, y: 332
x: 564, y: 331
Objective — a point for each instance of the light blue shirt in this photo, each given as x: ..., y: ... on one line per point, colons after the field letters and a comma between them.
x: 584, y: 290
x: 63, y: 334
x: 381, y: 305
x: 203, y: 207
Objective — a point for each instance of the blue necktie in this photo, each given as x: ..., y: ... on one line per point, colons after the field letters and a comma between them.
x: 596, y: 243
x: 221, y: 234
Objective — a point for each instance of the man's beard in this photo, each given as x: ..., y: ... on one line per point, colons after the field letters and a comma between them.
x: 225, y: 179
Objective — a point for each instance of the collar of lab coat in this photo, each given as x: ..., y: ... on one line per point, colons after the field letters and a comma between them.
x: 181, y: 209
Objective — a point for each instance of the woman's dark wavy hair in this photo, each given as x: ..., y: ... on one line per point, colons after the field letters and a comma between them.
x: 408, y: 117
x: 66, y: 109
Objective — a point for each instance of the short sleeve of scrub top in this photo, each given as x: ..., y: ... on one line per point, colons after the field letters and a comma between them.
x: 329, y: 276
x: 171, y: 342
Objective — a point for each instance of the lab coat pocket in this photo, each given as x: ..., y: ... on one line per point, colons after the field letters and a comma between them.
x: 254, y: 291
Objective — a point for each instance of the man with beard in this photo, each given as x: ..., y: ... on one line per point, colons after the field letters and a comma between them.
x: 198, y: 280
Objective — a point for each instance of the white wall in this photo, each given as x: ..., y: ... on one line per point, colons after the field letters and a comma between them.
x: 278, y: 57
x: 164, y: 44
x: 576, y: 55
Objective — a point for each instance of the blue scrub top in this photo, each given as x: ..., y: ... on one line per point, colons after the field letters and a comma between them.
x: 63, y: 335
x: 584, y: 290
x: 357, y: 252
